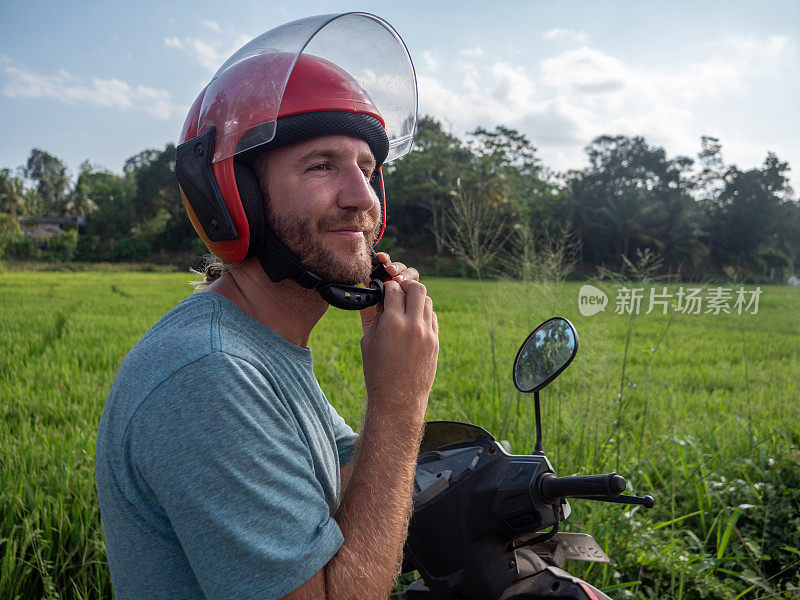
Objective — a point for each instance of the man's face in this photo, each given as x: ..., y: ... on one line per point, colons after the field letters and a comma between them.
x: 321, y: 205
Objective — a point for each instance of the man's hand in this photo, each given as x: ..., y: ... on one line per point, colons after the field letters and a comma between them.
x: 401, y: 345
x: 395, y: 269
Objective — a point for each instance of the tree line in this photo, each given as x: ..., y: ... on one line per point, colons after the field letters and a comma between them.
x: 484, y: 205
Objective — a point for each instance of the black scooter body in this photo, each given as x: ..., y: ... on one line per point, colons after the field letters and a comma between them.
x: 549, y: 583
x: 472, y: 500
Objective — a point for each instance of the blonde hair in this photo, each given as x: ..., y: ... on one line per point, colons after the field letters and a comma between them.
x: 212, y: 269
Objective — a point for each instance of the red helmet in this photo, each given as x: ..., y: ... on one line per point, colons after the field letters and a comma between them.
x: 305, y: 79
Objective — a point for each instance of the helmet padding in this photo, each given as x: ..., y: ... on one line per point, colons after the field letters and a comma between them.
x: 304, y: 126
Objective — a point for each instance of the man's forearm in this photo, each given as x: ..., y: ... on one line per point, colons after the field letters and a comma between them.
x: 399, y: 349
x: 375, y: 509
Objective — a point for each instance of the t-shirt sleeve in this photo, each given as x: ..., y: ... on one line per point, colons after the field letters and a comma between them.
x: 224, y: 457
x: 345, y: 437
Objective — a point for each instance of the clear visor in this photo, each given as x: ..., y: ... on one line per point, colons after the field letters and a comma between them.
x: 244, y: 97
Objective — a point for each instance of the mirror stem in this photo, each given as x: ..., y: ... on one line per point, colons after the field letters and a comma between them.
x: 538, y: 448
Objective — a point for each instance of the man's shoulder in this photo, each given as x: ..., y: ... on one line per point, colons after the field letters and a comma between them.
x: 184, y: 339
x: 201, y: 325
x: 206, y: 332
x: 182, y: 336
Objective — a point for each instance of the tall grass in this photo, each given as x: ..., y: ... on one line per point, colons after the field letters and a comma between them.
x: 64, y: 336
x: 704, y: 419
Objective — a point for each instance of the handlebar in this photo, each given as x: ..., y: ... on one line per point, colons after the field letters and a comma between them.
x: 553, y: 487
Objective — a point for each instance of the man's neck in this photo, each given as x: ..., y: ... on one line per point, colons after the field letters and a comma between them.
x: 288, y: 309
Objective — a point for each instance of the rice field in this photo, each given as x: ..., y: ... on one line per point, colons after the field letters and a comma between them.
x: 699, y: 410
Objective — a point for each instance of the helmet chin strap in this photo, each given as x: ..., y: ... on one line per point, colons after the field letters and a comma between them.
x: 279, y: 263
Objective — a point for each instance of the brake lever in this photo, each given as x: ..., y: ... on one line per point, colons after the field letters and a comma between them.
x: 646, y: 501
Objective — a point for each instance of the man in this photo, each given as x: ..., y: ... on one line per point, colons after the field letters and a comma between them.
x: 222, y: 470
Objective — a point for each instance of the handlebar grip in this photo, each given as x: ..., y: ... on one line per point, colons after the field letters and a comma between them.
x: 553, y: 487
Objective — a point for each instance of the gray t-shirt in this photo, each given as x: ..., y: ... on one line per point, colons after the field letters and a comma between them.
x: 217, y: 460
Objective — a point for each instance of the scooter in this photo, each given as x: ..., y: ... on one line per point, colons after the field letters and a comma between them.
x: 485, y: 524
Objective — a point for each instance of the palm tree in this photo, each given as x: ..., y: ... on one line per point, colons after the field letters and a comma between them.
x: 677, y: 236
x: 628, y: 216
x: 79, y: 203
x: 12, y: 194
x: 577, y: 211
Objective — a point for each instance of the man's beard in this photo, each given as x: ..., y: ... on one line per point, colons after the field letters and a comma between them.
x: 305, y: 239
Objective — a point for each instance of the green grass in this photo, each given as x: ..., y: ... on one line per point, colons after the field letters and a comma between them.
x: 705, y: 419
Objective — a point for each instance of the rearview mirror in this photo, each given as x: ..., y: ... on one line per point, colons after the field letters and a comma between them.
x: 546, y: 352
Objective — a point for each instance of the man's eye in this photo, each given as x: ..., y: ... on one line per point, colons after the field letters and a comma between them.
x: 320, y: 167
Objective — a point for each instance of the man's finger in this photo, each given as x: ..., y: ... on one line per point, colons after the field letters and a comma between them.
x: 415, y: 297
x: 394, y: 298
x: 395, y: 268
x: 411, y: 273
x: 428, y: 313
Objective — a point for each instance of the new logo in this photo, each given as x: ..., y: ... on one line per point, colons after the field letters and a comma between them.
x: 591, y: 300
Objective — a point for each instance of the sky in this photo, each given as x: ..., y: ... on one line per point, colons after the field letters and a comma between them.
x: 102, y: 81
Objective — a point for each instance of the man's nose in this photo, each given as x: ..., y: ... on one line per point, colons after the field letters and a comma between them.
x: 356, y: 191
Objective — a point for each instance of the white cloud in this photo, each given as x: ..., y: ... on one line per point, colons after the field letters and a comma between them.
x: 207, y: 55
x: 429, y: 60
x: 210, y: 54
x: 584, y: 68
x: 173, y: 42
x: 565, y: 35
x: 773, y: 46
x: 572, y: 96
x: 104, y: 93
x: 473, y: 52
x: 213, y: 25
